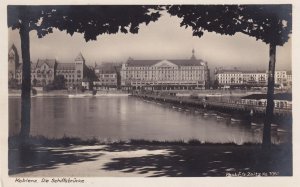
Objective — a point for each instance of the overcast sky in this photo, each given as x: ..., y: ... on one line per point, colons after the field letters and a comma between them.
x: 163, y: 39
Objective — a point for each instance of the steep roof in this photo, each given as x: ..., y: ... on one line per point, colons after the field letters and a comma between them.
x: 189, y: 62
x: 278, y: 96
x: 14, y: 49
x: 107, y: 68
x: 142, y: 62
x: 49, y: 62
x: 179, y: 62
x: 79, y: 57
x: 65, y: 66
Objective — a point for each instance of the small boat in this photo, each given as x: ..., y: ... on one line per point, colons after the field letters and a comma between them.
x: 235, y: 120
x: 256, y: 124
x: 281, y: 130
x: 206, y: 114
x: 196, y: 111
x: 220, y: 117
x: 187, y: 110
x: 274, y: 125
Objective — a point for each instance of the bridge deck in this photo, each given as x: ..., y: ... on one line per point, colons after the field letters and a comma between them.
x: 233, y: 105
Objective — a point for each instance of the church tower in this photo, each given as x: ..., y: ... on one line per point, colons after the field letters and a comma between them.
x: 13, y: 62
x: 79, y: 68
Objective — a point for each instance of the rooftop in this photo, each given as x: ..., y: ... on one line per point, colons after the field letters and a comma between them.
x: 178, y: 62
x: 65, y: 66
x: 108, y: 68
x: 79, y: 57
x: 49, y: 62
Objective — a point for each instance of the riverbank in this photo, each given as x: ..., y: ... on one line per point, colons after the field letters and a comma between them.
x: 66, y: 93
x: 141, y: 158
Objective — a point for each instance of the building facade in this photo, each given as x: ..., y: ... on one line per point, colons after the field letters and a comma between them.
x: 13, y: 62
x: 281, y: 77
x: 44, y: 71
x: 164, y: 74
x: 236, y: 77
x: 73, y: 72
x: 108, y: 76
x: 289, y: 79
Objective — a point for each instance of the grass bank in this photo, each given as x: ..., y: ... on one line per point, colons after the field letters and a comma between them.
x: 33, y: 141
x: 67, y: 156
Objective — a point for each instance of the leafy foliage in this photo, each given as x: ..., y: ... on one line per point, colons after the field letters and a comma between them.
x: 216, y: 84
x: 269, y: 23
x: 90, y: 20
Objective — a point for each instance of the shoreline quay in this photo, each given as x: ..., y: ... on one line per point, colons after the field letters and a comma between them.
x: 65, y: 94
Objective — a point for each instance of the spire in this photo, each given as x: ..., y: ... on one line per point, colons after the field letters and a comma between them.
x: 13, y: 48
x: 13, y: 53
x: 79, y: 57
x: 193, y: 55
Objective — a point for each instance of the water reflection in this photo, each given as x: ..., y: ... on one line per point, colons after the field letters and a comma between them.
x: 125, y: 118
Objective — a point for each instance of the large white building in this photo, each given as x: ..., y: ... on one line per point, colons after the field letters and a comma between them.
x: 164, y: 74
x: 236, y: 77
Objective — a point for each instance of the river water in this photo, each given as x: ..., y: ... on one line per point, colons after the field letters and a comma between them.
x: 124, y: 118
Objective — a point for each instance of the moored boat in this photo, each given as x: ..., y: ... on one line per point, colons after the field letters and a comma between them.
x: 220, y: 117
x: 235, y: 120
x: 281, y: 130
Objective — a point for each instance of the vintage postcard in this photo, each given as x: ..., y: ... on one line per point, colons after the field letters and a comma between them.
x: 187, y: 93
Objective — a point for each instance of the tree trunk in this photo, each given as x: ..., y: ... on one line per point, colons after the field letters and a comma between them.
x: 26, y: 81
x: 270, y: 98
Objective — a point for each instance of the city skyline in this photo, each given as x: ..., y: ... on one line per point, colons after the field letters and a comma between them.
x: 163, y: 39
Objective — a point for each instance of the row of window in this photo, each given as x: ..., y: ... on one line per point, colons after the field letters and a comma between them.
x: 166, y: 75
x: 50, y: 71
x: 226, y: 75
x: 161, y: 71
x: 164, y: 70
x: 196, y: 73
x: 155, y: 68
x: 251, y: 75
x: 166, y: 78
x: 107, y: 75
x: 70, y: 76
x: 73, y: 80
x: 68, y: 71
x: 108, y: 80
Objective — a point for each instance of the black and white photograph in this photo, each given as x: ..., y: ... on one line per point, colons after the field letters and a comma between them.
x: 167, y: 90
